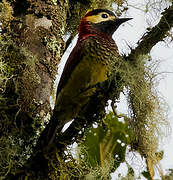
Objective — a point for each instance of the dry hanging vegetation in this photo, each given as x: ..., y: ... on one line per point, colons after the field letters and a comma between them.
x: 148, y: 110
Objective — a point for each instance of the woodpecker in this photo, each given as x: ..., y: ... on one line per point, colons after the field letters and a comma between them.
x: 89, y: 63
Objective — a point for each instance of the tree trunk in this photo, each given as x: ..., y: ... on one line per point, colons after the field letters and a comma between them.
x: 31, y: 48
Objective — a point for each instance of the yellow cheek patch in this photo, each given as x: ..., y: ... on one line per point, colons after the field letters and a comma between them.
x: 98, y: 18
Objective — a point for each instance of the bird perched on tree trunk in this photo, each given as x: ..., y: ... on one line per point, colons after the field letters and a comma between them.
x: 89, y: 63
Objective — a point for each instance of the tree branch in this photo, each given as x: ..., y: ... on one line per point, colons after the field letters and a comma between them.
x: 152, y: 37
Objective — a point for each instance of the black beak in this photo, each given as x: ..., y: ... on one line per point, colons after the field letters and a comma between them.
x: 119, y: 21
x: 116, y: 23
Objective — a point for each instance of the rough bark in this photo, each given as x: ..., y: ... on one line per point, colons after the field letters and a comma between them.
x: 32, y: 55
x: 31, y: 48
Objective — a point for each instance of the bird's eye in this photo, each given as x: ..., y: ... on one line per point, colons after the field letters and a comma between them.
x: 104, y: 16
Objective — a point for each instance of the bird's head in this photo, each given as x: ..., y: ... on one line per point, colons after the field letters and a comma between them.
x: 100, y: 21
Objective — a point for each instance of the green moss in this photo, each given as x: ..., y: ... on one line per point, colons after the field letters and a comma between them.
x: 6, y: 12
x: 53, y: 45
x: 17, y: 74
x: 22, y: 63
x: 66, y: 168
x: 3, y: 75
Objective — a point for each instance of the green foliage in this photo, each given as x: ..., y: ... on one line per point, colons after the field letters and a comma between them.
x: 146, y: 174
x: 101, y: 151
x: 104, y: 147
